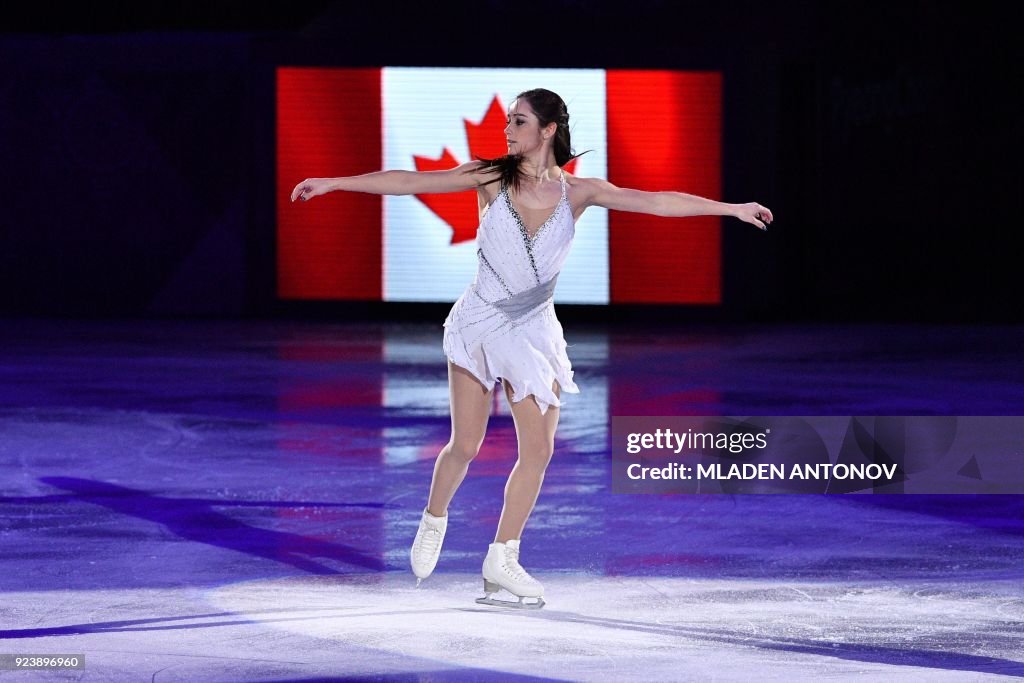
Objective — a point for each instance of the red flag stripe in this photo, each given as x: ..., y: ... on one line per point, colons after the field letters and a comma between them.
x: 328, y: 125
x: 664, y: 133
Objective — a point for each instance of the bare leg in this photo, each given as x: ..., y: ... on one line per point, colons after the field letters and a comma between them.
x: 536, y: 435
x: 470, y: 405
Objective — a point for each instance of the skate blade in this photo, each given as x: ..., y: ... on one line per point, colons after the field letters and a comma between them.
x: 521, y: 604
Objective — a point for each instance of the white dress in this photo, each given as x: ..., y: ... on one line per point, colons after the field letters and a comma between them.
x: 504, y: 325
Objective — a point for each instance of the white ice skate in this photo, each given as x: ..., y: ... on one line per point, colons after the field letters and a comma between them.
x: 427, y: 546
x: 502, y: 570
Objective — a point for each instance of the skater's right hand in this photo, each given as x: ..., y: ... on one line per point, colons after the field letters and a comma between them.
x: 309, y: 188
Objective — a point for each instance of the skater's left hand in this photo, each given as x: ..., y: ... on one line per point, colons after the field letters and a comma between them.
x: 755, y: 214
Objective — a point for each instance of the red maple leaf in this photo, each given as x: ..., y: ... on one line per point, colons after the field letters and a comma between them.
x: 459, y: 209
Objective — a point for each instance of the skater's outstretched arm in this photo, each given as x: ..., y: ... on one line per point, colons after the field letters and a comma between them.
x: 395, y: 182
x: 598, y: 192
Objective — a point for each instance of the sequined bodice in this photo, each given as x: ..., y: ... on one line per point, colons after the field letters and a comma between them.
x: 504, y: 326
x: 510, y: 260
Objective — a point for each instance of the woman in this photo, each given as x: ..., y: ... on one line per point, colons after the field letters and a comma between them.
x: 503, y: 328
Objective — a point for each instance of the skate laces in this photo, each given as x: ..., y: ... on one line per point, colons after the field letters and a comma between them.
x: 428, y: 543
x: 512, y: 567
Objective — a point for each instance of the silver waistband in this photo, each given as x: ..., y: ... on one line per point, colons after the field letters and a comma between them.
x: 518, y: 305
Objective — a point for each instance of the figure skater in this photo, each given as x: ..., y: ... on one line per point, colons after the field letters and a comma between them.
x: 503, y: 328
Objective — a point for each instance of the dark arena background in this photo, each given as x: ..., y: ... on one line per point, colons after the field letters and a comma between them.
x: 220, y: 410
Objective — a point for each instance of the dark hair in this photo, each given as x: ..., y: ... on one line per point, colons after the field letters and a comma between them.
x: 548, y: 107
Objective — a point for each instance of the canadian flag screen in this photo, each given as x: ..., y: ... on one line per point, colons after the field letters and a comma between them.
x: 648, y: 130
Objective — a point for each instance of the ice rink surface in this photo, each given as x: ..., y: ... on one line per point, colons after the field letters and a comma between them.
x: 235, y: 502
